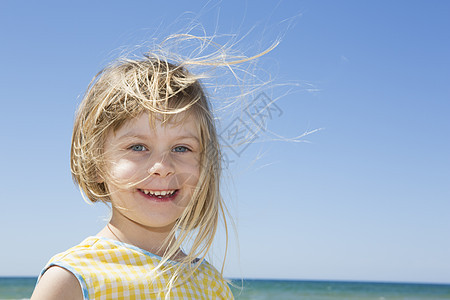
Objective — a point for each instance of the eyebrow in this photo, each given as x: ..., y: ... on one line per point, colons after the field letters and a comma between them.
x: 144, y: 137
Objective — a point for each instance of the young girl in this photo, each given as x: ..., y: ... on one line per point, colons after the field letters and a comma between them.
x: 144, y: 140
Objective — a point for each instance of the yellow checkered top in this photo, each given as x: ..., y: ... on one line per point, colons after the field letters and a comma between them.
x: 108, y: 269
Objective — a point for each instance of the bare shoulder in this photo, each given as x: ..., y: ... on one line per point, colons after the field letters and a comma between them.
x: 57, y: 283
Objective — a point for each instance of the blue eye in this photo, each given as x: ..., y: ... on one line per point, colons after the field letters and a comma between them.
x: 138, y: 148
x: 180, y: 149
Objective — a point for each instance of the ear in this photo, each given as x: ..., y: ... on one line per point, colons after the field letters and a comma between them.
x: 99, y: 178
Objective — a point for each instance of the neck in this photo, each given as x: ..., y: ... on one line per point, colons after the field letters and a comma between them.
x: 154, y: 240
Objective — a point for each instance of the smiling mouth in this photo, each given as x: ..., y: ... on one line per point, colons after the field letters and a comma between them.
x: 159, y: 195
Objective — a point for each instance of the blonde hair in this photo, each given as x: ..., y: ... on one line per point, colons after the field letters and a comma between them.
x: 151, y: 84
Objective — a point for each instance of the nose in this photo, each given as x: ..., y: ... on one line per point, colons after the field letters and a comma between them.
x: 162, y: 167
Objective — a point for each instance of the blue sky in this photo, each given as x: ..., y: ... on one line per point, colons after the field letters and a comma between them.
x: 365, y: 198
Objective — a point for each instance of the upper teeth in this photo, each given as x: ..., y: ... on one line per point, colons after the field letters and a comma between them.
x: 158, y: 193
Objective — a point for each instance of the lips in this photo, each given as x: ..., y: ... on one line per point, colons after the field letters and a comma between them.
x: 159, y: 195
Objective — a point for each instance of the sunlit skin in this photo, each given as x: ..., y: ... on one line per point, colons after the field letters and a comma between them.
x: 144, y: 160
x: 140, y: 158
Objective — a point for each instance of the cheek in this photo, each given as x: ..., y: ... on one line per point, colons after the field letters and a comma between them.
x: 192, y: 179
x: 189, y: 162
x: 124, y: 170
x: 189, y: 176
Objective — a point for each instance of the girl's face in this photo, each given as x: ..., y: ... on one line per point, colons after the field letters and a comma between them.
x: 153, y: 171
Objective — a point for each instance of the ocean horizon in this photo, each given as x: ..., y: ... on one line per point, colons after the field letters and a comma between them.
x: 286, y: 289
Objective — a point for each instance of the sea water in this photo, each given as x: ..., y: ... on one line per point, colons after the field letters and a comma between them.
x: 333, y: 290
x: 22, y: 287
x: 16, y: 287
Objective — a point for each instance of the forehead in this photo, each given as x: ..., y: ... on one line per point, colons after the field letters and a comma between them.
x: 149, y: 124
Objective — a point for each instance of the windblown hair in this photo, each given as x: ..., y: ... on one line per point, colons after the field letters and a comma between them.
x: 128, y: 88
x: 125, y: 90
